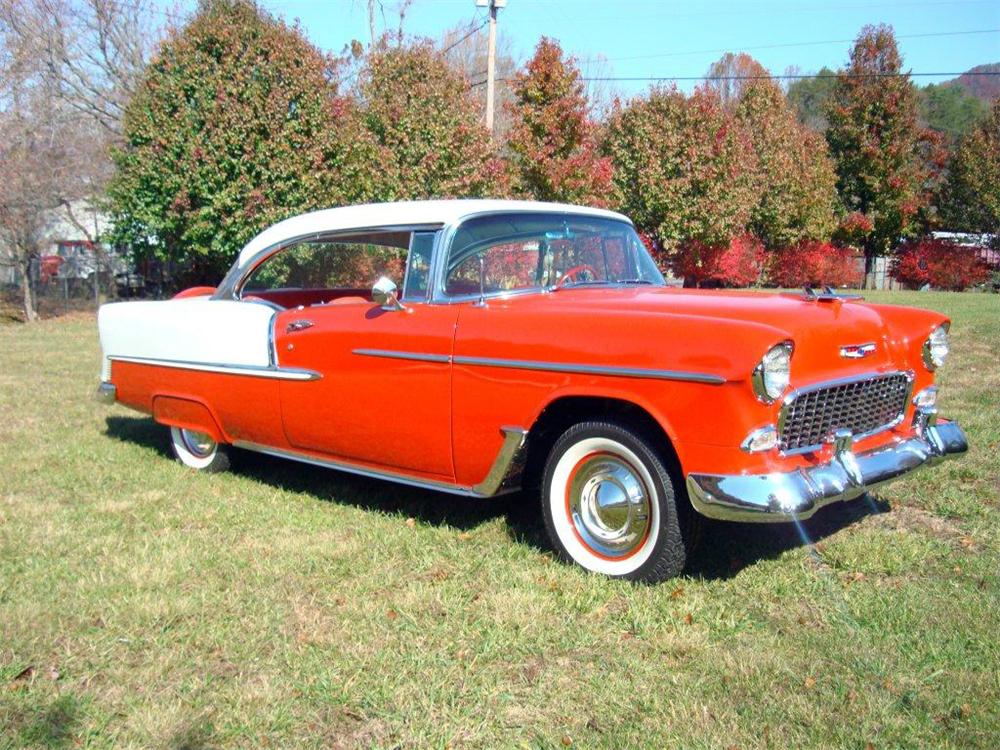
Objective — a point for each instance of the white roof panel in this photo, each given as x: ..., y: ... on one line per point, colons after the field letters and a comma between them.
x: 372, y: 215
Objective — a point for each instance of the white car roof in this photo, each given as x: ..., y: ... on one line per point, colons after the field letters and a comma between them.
x: 401, y: 213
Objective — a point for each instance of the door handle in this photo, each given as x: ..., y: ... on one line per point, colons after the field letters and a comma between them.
x: 298, y: 325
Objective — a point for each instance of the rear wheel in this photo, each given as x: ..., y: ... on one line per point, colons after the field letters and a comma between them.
x: 198, y: 450
x: 609, y: 504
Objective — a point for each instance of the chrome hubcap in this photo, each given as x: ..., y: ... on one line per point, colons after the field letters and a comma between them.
x: 198, y: 443
x: 608, y: 504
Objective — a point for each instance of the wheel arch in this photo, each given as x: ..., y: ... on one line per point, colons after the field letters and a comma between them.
x: 565, y: 410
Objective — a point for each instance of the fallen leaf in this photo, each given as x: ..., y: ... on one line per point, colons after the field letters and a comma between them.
x: 851, y: 696
x: 677, y: 592
x: 392, y: 614
x: 567, y: 740
x: 810, y: 683
x: 887, y: 683
x: 958, y: 570
x: 966, y: 710
x: 464, y: 536
x: 967, y: 542
x: 688, y: 618
x: 411, y: 522
x: 857, y: 576
x: 869, y: 746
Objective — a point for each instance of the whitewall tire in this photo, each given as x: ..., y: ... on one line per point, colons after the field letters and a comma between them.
x: 198, y: 450
x: 609, y: 504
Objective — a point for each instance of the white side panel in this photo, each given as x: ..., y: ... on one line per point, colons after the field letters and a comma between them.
x: 196, y: 329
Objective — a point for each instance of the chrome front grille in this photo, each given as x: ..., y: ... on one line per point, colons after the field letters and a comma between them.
x: 864, y: 406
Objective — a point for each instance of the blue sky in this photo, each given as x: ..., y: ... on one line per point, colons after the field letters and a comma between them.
x: 674, y: 38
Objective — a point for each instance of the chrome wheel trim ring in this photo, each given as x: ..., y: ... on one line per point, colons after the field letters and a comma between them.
x: 198, y: 444
x: 608, y: 505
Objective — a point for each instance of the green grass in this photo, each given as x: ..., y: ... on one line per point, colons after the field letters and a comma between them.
x: 145, y: 605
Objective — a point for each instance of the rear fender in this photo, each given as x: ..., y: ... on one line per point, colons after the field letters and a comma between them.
x: 187, y: 414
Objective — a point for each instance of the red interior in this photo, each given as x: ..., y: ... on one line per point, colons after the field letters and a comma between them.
x: 305, y: 297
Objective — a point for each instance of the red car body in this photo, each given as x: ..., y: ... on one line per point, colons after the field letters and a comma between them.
x: 457, y: 394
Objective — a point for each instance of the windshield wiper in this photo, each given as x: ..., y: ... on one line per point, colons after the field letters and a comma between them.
x: 596, y: 282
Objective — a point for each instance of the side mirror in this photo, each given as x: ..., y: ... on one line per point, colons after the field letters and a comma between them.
x: 384, y: 294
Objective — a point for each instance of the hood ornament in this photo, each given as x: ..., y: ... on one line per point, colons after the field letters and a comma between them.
x: 857, y: 351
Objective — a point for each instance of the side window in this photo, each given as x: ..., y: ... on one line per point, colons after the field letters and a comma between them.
x: 506, y: 266
x: 322, y: 271
x: 418, y: 267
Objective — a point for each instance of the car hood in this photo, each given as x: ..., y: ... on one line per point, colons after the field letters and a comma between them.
x: 818, y: 329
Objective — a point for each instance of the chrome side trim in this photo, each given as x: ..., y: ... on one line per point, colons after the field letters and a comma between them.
x: 256, y: 371
x: 393, y: 354
x: 505, y: 473
x: 798, y: 494
x: 524, y: 364
x: 106, y: 393
x: 608, y: 370
x: 503, y: 476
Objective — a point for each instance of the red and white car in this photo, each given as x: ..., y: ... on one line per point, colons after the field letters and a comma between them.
x: 475, y: 347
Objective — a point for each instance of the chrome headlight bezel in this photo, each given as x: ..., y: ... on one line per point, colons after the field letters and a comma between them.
x: 936, y: 348
x: 772, y: 375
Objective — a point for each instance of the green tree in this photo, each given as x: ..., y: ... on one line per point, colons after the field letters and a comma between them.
x: 431, y: 141
x: 950, y: 109
x: 876, y: 143
x: 972, y: 194
x: 809, y: 97
x: 797, y: 193
x: 553, y: 152
x: 234, y: 126
x: 683, y: 168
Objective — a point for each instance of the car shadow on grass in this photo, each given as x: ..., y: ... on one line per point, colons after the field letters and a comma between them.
x: 724, y: 549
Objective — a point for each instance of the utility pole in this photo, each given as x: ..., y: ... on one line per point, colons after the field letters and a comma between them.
x: 491, y: 56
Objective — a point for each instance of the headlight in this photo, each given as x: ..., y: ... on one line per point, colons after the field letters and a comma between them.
x: 936, y: 348
x: 771, y: 376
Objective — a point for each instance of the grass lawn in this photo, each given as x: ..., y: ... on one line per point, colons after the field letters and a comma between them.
x: 145, y: 605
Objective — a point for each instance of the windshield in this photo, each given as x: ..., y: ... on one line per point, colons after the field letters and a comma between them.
x: 522, y: 251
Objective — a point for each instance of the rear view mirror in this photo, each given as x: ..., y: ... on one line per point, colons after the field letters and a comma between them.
x: 384, y: 294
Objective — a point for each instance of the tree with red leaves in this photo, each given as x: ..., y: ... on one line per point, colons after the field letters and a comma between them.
x: 736, y: 263
x: 814, y: 264
x: 553, y: 151
x: 684, y: 171
x: 940, y: 263
x: 875, y: 140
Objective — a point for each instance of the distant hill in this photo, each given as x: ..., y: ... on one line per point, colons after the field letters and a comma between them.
x: 986, y: 88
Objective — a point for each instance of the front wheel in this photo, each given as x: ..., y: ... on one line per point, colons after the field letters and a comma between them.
x: 198, y: 450
x: 610, y: 506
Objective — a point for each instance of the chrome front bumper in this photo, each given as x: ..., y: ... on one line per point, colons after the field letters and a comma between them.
x: 799, y: 494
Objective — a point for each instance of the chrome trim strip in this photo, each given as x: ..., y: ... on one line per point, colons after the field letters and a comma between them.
x: 106, y: 393
x: 257, y: 371
x: 798, y: 494
x: 393, y: 354
x: 608, y: 370
x: 505, y: 470
x: 498, y: 480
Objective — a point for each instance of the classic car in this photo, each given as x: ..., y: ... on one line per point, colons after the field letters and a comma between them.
x: 478, y: 347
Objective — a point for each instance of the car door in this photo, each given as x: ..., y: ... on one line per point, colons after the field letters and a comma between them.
x: 384, y: 393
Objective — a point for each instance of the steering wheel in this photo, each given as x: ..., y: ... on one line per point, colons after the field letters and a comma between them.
x: 571, y: 273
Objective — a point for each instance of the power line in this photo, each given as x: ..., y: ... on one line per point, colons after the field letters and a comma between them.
x: 785, y: 45
x: 452, y: 46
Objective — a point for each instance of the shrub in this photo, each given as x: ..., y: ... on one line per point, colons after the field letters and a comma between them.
x: 813, y: 264
x: 737, y: 264
x: 940, y: 263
